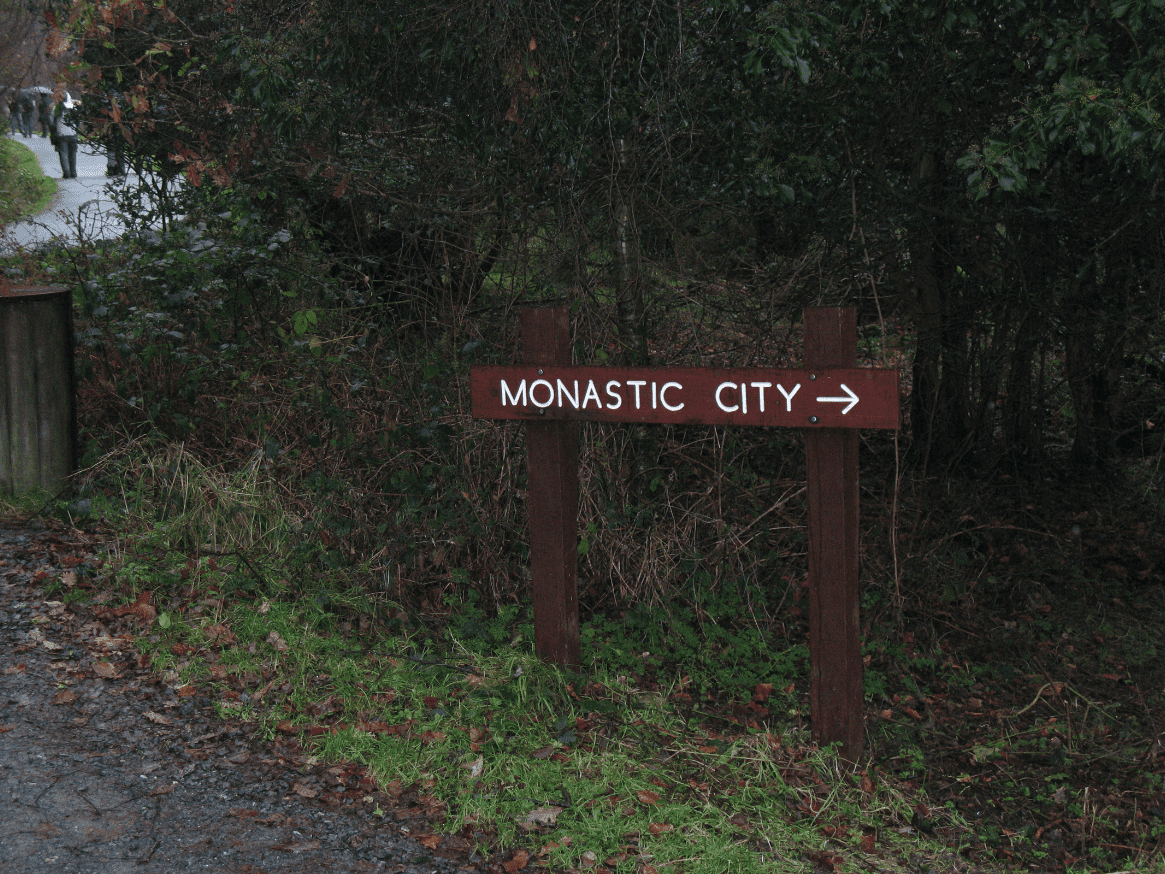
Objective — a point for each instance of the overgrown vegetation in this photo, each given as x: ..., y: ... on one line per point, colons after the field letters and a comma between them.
x: 286, y: 464
x: 24, y: 190
x: 274, y: 406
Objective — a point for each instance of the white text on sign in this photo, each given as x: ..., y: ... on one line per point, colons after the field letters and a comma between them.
x: 828, y: 398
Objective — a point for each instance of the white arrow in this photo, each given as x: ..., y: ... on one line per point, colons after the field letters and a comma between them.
x: 848, y: 401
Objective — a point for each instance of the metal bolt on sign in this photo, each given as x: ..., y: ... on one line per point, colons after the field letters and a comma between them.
x: 829, y: 400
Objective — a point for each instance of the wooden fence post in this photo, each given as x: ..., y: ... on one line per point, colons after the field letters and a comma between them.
x: 553, y: 498
x: 38, y: 442
x: 835, y: 654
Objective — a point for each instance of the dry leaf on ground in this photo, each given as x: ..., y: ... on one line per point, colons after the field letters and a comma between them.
x: 105, y: 670
x: 517, y: 863
x: 541, y: 816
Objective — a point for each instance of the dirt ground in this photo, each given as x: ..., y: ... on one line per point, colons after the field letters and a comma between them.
x: 104, y: 769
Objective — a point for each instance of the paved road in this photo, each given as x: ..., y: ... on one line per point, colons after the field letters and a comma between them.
x: 81, y: 209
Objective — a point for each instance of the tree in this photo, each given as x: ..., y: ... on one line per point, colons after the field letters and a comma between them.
x: 1003, y: 162
x: 988, y: 170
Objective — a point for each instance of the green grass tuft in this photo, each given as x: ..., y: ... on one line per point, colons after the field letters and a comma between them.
x: 24, y: 189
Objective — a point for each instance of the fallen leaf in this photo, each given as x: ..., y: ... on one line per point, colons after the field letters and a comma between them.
x: 51, y: 646
x: 301, y: 847
x: 164, y: 789
x: 659, y: 828
x: 141, y: 608
x: 542, y: 816
x: 65, y: 696
x: 646, y: 796
x: 762, y: 692
x: 277, y: 642
x: 544, y: 753
x: 111, y: 644
x: 475, y: 767
x: 105, y: 670
x: 186, y: 691
x: 517, y: 862
x: 258, y: 694
x: 16, y: 669
x: 869, y: 843
x: 430, y: 841
x: 156, y: 718
x: 221, y: 633
x: 4, y: 728
x: 69, y: 579
x: 304, y: 791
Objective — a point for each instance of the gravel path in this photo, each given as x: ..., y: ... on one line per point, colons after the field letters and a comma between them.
x: 80, y: 211
x: 106, y: 770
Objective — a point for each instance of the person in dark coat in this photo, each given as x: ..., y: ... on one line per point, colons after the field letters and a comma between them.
x: 26, y: 103
x: 65, y: 135
x: 44, y: 112
x: 6, y: 104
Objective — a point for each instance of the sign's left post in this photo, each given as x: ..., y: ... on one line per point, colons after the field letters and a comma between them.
x: 552, y: 448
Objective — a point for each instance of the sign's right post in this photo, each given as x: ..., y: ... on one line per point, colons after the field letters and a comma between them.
x: 835, y: 655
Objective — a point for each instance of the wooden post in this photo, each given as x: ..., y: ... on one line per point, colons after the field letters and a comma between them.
x: 553, y: 498
x: 835, y: 655
x: 37, y: 394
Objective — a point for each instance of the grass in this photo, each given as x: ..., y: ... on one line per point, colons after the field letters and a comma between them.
x: 24, y: 189
x: 336, y: 553
x: 593, y: 770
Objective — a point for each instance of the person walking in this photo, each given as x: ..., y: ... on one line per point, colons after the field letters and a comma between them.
x: 12, y: 100
x: 65, y: 135
x: 44, y: 110
x: 26, y: 103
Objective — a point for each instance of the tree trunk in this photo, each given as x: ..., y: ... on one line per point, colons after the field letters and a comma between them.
x: 1095, y: 322
x: 631, y: 310
x: 938, y: 403
x: 37, y: 407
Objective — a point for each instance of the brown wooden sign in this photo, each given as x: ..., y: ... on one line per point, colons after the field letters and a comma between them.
x: 830, y: 399
x: 827, y: 398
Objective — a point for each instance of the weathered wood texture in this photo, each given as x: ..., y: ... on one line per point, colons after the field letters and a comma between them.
x: 38, y: 444
x: 553, y: 499
x: 835, y: 655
